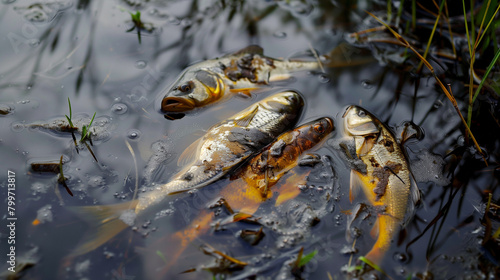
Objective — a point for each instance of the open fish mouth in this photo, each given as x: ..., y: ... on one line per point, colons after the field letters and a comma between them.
x: 176, y: 104
x: 174, y: 116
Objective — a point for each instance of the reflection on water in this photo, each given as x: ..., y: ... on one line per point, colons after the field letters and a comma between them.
x: 82, y: 50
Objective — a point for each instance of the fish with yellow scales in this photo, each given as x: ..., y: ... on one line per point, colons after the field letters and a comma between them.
x: 223, y: 148
x: 212, y: 80
x: 256, y: 182
x: 387, y: 181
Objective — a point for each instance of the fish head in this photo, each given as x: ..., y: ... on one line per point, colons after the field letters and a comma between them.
x: 193, y: 89
x: 359, y: 122
x: 320, y: 128
x: 312, y: 133
x: 286, y: 102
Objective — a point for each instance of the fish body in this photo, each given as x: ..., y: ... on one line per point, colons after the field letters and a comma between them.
x: 251, y: 186
x: 231, y: 142
x: 212, y: 80
x: 264, y: 170
x: 387, y: 180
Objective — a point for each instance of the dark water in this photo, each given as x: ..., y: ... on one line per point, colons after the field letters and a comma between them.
x: 82, y: 50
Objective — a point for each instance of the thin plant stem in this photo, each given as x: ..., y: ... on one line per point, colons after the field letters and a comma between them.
x: 441, y: 85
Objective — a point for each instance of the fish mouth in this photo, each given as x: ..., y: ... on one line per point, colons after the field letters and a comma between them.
x: 176, y: 104
x: 174, y: 116
x: 330, y: 123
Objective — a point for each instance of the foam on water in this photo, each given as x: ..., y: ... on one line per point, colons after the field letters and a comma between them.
x: 429, y: 168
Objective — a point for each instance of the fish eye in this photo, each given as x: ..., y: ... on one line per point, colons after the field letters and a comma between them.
x: 361, y: 113
x: 319, y: 128
x: 187, y: 87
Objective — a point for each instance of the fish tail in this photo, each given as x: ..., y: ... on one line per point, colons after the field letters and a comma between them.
x: 375, y: 255
x: 178, y: 242
x: 386, y: 230
x: 104, y: 224
x: 345, y: 55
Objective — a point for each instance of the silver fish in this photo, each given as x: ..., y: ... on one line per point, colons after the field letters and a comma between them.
x: 210, y: 81
x: 231, y: 142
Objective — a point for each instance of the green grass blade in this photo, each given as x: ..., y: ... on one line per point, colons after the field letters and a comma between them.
x: 70, y: 114
x: 92, y: 120
x: 413, y: 14
x: 488, y: 70
x: 489, y: 23
x: 467, y: 28
x: 160, y: 254
x: 307, y: 258
x: 432, y: 36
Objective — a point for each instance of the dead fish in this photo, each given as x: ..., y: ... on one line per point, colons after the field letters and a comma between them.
x: 224, y: 147
x: 251, y: 186
x: 230, y: 142
x: 210, y: 81
x: 387, y: 181
x: 264, y: 170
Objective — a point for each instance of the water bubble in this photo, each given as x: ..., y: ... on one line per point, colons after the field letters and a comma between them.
x: 174, y: 20
x: 25, y: 101
x: 186, y: 22
x: 140, y: 64
x: 134, y: 134
x: 119, y: 108
x: 17, y: 126
x: 34, y: 43
x: 97, y: 181
x: 437, y: 104
x: 279, y: 34
x: 153, y: 11
x: 367, y: 84
x: 323, y: 78
x: 461, y: 140
x: 400, y: 257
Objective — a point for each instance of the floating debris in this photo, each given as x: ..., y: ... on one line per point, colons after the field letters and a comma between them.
x: 100, y: 130
x: 429, y: 168
x: 43, y: 215
x: 5, y: 110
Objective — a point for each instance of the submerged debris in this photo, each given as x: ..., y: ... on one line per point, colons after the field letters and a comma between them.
x: 5, y: 109
x: 99, y: 131
x: 44, y: 215
x: 429, y: 168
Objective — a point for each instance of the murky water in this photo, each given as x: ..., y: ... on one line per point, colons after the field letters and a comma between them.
x: 81, y: 50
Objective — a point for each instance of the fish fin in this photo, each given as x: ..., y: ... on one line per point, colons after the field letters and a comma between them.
x: 413, y: 200
x: 245, y: 120
x: 252, y: 49
x: 104, y: 222
x: 189, y: 154
x: 375, y: 229
x: 289, y: 190
x: 243, y: 92
x: 375, y: 255
x: 350, y: 219
x: 355, y: 184
x: 364, y: 145
x: 345, y: 55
